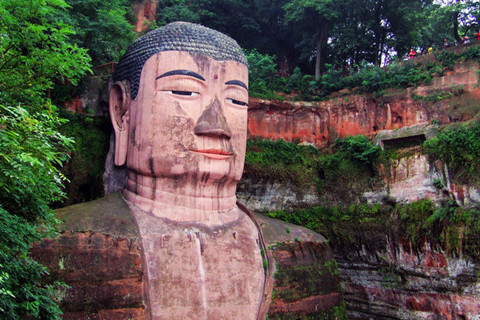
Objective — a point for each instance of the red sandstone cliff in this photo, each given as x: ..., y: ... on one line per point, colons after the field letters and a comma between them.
x: 353, y: 114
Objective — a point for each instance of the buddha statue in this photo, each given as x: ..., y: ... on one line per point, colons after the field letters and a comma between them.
x: 173, y: 243
x: 178, y: 106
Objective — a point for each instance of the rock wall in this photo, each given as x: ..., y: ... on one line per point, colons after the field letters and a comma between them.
x: 104, y: 274
x: 263, y: 195
x: 99, y: 255
x: 412, y: 177
x: 307, y: 282
x: 401, y: 283
x: 352, y: 114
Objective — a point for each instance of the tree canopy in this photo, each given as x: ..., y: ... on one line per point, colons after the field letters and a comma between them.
x: 312, y: 33
x: 35, y: 52
x: 102, y: 27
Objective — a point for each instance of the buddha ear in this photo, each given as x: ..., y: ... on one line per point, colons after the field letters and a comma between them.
x: 119, y: 113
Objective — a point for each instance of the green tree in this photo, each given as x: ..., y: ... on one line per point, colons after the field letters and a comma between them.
x: 261, y: 69
x: 101, y: 27
x: 437, y: 26
x: 320, y: 15
x: 372, y: 29
x: 463, y: 15
x: 179, y: 10
x: 34, y: 53
x: 235, y: 18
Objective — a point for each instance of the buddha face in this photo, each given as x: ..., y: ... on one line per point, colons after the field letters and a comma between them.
x: 189, y: 118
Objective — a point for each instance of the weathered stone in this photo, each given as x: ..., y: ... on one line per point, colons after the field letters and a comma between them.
x: 402, y: 284
x: 306, y: 277
x: 99, y: 256
x: 267, y: 196
x: 352, y: 114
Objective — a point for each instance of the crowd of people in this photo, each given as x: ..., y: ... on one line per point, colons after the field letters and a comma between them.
x: 465, y: 40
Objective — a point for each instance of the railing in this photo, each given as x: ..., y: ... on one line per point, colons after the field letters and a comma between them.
x: 105, y: 69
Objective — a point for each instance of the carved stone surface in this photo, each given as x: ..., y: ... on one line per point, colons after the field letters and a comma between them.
x: 99, y: 255
x: 179, y: 111
x: 178, y: 104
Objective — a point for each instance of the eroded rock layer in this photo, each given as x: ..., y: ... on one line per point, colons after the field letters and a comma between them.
x: 351, y: 114
x: 400, y: 283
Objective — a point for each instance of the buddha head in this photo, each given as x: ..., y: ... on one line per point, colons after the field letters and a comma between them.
x: 178, y: 105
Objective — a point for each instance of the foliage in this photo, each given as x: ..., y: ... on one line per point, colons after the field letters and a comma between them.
x: 101, y: 27
x: 31, y: 150
x: 459, y: 148
x: 84, y: 169
x: 216, y: 14
x: 34, y: 50
x: 370, y: 226
x: 341, y: 33
x: 288, y: 161
x: 332, y: 174
x: 370, y: 78
x: 279, y: 152
x: 439, y: 96
x: 358, y: 148
x: 34, y: 54
x: 319, y: 15
x: 261, y: 74
x: 459, y: 17
x: 295, y: 33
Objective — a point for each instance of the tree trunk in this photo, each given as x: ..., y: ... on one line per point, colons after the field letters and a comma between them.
x: 455, y: 26
x: 321, y: 43
x: 318, y: 59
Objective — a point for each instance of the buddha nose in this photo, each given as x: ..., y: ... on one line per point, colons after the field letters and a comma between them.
x: 212, y: 122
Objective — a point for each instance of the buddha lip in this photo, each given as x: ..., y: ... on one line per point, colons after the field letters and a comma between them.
x: 214, y: 153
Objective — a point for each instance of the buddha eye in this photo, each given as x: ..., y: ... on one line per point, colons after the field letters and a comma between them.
x: 182, y: 93
x: 238, y: 102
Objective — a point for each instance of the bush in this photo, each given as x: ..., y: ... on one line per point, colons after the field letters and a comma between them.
x: 366, y: 78
x: 31, y: 151
x: 335, y: 175
x: 359, y: 149
x: 459, y: 148
x: 262, y: 75
x: 34, y: 54
x: 376, y: 226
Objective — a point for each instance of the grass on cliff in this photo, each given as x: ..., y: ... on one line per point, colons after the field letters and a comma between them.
x: 454, y: 229
x: 457, y: 146
x: 362, y: 78
x: 342, y: 170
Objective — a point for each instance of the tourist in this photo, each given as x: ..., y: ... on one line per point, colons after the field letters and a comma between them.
x: 412, y: 54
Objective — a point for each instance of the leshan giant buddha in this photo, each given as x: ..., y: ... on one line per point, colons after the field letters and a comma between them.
x: 173, y: 243
x: 178, y: 106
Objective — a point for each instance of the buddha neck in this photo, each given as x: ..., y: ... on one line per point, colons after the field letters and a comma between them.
x: 183, y: 200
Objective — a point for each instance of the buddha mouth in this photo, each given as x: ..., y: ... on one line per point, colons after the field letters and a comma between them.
x: 218, y: 154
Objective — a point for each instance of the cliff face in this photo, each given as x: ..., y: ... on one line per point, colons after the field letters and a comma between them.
x: 392, y: 279
x: 401, y: 283
x: 321, y: 122
x: 350, y: 114
x: 306, y: 279
x: 99, y: 255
